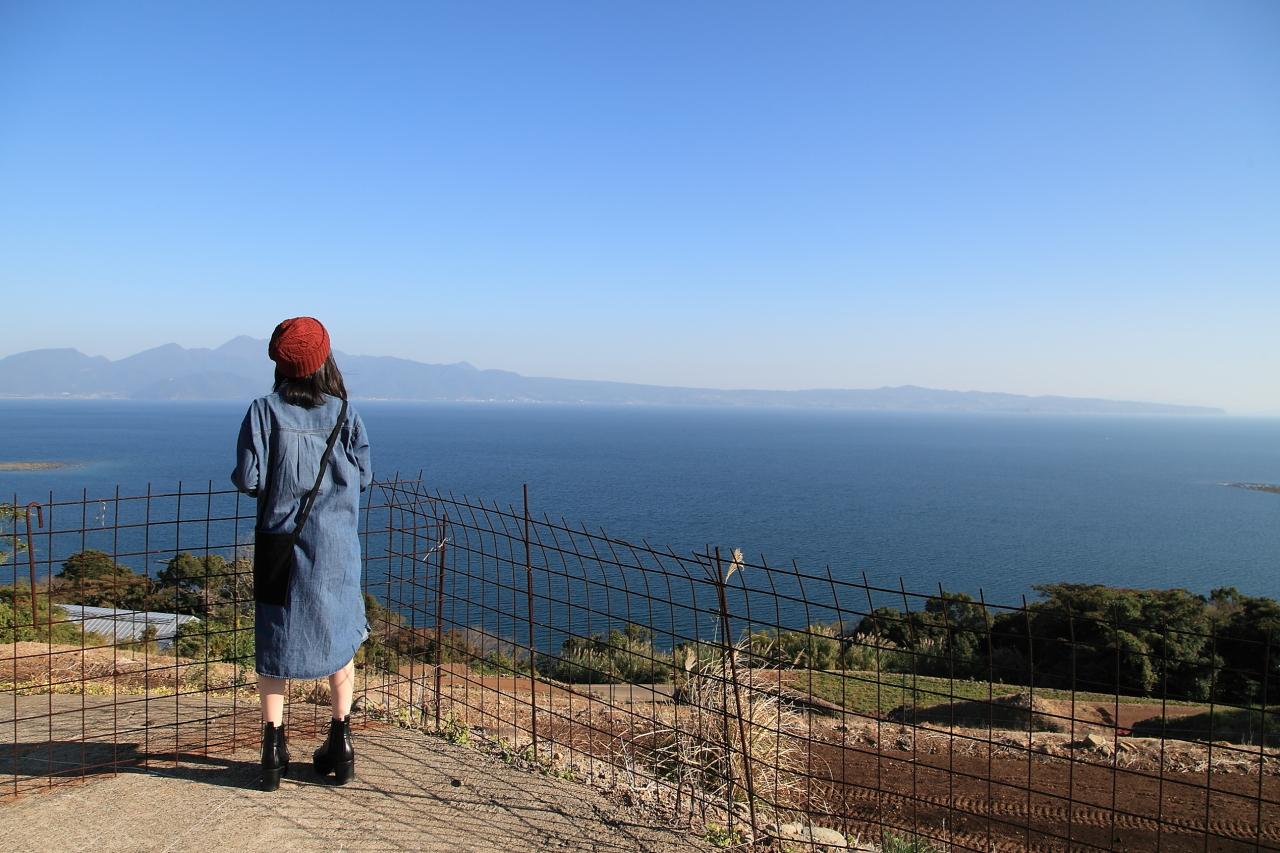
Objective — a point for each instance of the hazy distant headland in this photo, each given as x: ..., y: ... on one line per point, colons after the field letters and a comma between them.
x: 1256, y: 487
x: 239, y: 370
x: 31, y: 466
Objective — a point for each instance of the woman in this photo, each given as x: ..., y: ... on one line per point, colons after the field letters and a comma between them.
x: 309, y: 614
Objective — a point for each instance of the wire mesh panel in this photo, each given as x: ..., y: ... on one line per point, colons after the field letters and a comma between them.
x: 783, y: 700
x: 112, y: 657
x: 126, y: 635
x: 776, y: 700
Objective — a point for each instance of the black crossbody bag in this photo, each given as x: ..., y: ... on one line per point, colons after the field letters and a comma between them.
x: 273, y: 561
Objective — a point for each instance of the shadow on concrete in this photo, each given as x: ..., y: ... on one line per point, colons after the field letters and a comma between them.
x: 31, y: 766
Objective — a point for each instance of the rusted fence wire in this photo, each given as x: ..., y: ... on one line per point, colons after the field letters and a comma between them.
x: 779, y: 701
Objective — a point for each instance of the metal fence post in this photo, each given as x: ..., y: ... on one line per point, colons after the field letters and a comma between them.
x: 1031, y: 711
x: 528, y: 595
x: 444, y: 538
x: 727, y: 653
x: 31, y: 560
x: 1262, y: 740
x: 1071, y: 760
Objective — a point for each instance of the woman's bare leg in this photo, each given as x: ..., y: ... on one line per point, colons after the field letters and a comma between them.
x: 271, y: 697
x: 341, y: 685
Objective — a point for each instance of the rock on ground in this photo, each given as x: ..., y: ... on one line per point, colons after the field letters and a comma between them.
x: 810, y: 835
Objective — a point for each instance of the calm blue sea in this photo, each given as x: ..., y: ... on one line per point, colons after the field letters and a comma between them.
x: 997, y: 502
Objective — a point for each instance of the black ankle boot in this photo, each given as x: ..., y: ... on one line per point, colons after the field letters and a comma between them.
x: 275, y: 756
x: 337, y: 755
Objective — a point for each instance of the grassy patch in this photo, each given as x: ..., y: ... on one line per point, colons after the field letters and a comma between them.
x: 894, y: 843
x: 719, y: 836
x: 881, y: 692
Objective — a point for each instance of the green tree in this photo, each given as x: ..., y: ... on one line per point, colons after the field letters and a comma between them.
x: 1109, y: 652
x: 1176, y: 626
x: 817, y: 647
x: 221, y: 637
x: 91, y: 577
x: 886, y: 624
x: 953, y: 628
x: 196, y: 585
x: 615, y: 657
x: 12, y: 543
x: 1167, y: 642
x: 948, y: 636
x: 1247, y: 639
x: 89, y: 565
x: 51, y: 621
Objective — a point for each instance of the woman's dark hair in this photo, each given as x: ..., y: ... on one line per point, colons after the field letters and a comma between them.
x: 310, y: 391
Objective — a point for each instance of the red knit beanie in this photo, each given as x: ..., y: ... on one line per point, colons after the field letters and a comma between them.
x: 299, y: 346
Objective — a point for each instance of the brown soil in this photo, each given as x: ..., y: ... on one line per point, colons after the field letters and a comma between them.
x: 965, y: 791
x: 1125, y: 716
x: 1019, y: 712
x: 965, y: 787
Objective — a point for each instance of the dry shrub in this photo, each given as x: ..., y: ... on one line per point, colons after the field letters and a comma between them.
x: 713, y: 752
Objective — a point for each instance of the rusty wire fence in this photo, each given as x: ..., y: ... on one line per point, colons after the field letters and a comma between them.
x: 126, y: 631
x: 770, y: 700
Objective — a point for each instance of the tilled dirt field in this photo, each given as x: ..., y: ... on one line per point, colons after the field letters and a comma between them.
x: 965, y: 788
x: 980, y: 798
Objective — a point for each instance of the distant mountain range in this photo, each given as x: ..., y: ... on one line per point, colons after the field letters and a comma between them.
x: 239, y: 370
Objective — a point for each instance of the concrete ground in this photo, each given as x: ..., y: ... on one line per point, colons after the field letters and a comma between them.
x: 411, y: 792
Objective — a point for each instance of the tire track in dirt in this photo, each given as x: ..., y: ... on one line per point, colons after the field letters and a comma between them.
x: 938, y: 795
x: 1017, y: 818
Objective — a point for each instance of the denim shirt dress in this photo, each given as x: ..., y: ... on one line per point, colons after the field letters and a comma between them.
x: 278, y: 456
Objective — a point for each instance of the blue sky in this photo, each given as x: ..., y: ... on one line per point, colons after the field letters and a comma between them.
x: 1077, y: 198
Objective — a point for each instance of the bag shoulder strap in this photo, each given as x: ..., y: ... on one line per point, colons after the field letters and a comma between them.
x: 310, y: 499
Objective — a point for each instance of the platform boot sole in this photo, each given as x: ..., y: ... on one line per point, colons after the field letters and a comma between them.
x: 342, y: 772
x: 270, y: 780
x: 275, y: 758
